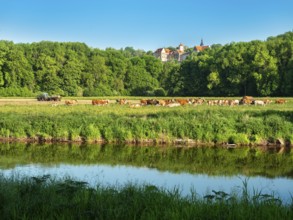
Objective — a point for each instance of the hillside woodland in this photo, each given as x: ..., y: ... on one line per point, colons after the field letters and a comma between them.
x: 257, y: 68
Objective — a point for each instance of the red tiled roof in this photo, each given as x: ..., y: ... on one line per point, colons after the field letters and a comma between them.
x: 200, y: 48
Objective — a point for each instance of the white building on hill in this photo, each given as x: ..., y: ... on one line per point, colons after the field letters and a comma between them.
x: 165, y: 54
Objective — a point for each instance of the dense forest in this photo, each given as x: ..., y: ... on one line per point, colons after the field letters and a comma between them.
x: 258, y: 68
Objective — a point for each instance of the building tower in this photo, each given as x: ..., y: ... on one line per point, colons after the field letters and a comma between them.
x: 201, y: 42
x: 181, y: 47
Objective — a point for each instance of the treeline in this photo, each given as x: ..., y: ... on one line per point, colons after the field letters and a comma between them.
x: 258, y: 68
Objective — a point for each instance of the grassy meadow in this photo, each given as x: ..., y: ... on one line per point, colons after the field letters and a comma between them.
x: 201, y: 124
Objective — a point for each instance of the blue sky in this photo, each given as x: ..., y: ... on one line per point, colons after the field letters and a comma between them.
x: 144, y: 24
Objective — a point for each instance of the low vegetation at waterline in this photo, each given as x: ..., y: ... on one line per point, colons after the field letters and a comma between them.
x: 47, y: 198
x: 118, y: 123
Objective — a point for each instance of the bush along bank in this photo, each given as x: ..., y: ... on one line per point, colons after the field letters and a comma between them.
x: 212, y: 127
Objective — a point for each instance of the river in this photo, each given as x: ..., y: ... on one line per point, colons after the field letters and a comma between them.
x: 117, y: 166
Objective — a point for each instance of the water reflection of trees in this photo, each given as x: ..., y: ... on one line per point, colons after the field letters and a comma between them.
x: 265, y: 161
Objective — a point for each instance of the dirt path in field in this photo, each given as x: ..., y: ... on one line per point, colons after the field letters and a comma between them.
x: 16, y: 101
x: 36, y: 102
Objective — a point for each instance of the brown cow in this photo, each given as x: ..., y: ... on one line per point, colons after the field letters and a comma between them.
x: 100, y: 102
x: 149, y: 102
x: 143, y: 102
x: 247, y: 100
x: 162, y: 102
x: 280, y: 101
x: 182, y: 101
x: 152, y: 102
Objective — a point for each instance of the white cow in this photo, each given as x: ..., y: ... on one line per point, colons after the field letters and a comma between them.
x: 176, y: 104
x: 259, y: 102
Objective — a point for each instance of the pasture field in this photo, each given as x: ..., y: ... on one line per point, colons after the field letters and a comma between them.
x: 28, y: 119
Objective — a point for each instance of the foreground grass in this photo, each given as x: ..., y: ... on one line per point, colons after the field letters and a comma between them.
x: 46, y: 198
x: 114, y: 123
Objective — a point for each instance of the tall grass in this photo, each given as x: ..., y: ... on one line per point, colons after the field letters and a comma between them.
x: 197, y: 124
x: 45, y: 198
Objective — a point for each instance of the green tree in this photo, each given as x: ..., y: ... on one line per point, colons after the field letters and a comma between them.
x: 16, y: 69
x: 138, y: 81
x: 71, y: 75
x: 265, y: 71
x: 153, y: 65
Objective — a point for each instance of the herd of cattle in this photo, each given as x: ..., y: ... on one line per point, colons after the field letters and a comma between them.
x: 246, y: 100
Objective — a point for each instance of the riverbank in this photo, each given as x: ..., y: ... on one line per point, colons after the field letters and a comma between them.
x: 186, y: 125
x: 45, y: 198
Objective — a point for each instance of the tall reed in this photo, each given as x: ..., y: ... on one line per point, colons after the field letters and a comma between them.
x: 44, y: 197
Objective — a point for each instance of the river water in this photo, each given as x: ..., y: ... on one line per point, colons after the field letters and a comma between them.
x: 202, y: 184
x: 118, y: 175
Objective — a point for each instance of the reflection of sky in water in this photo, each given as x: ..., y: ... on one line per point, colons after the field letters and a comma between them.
x: 201, y: 183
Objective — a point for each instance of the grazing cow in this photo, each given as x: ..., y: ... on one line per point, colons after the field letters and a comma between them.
x: 210, y: 102
x: 175, y: 104
x: 221, y: 102
x: 135, y: 105
x: 226, y: 102
x: 152, y: 102
x: 122, y: 101
x: 246, y: 100
x: 233, y: 102
x: 168, y: 101
x: 149, y: 102
x: 267, y: 101
x: 162, y: 102
x: 248, y: 97
x: 280, y: 101
x: 236, y: 102
x: 182, y: 101
x: 197, y: 101
x: 259, y: 102
x: 143, y: 102
x: 100, y: 102
x: 70, y: 102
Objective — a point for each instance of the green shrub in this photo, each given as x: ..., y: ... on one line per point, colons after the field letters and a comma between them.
x: 160, y: 92
x: 239, y: 139
x: 90, y: 132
